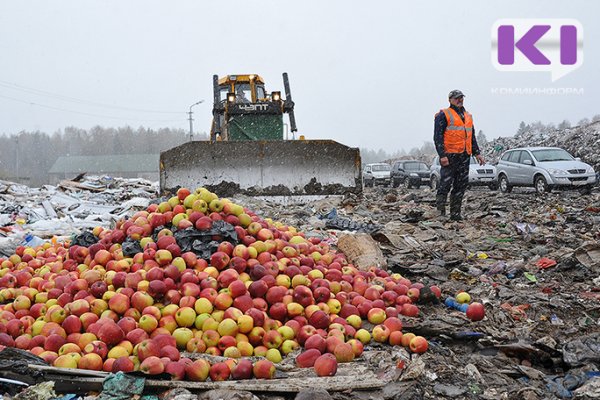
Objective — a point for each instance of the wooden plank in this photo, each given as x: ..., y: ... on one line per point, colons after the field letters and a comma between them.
x: 69, y: 371
x: 349, y: 377
x: 287, y: 385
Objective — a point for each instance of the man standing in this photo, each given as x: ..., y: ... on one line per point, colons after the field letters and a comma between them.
x: 455, y: 143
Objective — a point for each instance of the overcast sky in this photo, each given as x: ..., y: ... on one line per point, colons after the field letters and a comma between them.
x: 366, y: 74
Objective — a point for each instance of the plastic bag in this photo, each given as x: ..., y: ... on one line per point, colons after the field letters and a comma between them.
x: 205, y: 242
x: 131, y: 247
x: 333, y: 221
x: 121, y: 387
x: 86, y: 239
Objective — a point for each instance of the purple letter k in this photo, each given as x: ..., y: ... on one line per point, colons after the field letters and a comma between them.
x: 526, y: 44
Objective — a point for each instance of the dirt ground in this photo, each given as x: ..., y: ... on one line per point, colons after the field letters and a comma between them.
x: 540, y: 337
x: 533, y: 261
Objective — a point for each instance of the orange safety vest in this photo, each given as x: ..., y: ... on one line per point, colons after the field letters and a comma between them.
x: 458, y: 133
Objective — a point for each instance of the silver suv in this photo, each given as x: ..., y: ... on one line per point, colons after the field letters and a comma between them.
x: 376, y: 174
x: 479, y: 175
x: 544, y: 168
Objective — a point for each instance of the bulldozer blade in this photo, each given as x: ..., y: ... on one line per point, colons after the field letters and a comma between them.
x: 263, y: 168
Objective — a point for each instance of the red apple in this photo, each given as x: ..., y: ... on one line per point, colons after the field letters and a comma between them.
x: 326, y: 365
x: 475, y: 311
x: 418, y: 344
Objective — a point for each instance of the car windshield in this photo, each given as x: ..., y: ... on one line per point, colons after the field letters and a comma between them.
x: 552, y: 155
x: 474, y: 160
x: 415, y: 166
x: 381, y: 167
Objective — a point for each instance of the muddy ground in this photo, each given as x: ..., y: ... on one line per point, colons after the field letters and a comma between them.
x: 533, y: 261
x: 540, y: 337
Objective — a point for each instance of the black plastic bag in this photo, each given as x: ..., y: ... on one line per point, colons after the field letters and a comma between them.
x: 85, y: 239
x: 346, y: 224
x: 333, y: 221
x: 204, y: 243
x: 131, y: 247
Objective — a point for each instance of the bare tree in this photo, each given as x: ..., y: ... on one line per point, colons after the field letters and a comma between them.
x: 583, y: 121
x: 21, y: 160
x: 564, y: 125
x: 481, y: 138
x: 428, y: 148
x: 523, y: 127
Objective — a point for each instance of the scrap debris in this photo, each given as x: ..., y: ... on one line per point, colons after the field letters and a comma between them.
x: 532, y: 261
x: 68, y: 208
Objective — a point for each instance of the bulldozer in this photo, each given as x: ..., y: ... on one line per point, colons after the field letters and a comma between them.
x: 250, y: 150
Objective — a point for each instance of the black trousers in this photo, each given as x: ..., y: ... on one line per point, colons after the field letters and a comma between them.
x: 455, y: 176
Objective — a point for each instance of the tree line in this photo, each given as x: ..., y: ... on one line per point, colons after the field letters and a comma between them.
x: 539, y: 126
x: 27, y: 157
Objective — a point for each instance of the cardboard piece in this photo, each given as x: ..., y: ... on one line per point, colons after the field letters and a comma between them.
x: 362, y: 251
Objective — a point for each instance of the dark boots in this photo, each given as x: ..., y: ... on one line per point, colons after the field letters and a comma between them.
x: 455, y: 206
x: 440, y: 204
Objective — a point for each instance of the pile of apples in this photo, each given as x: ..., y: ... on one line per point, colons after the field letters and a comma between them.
x: 271, y: 292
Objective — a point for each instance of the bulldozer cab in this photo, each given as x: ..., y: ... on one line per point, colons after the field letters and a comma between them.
x: 244, y: 110
x: 246, y: 90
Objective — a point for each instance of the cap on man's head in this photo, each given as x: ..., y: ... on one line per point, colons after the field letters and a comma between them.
x: 455, y: 94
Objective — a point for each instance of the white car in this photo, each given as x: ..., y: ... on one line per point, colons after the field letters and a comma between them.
x: 544, y: 168
x: 479, y: 175
x: 376, y: 174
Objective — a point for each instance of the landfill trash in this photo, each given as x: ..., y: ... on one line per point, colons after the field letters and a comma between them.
x: 313, y: 394
x: 32, y: 241
x: 544, y: 263
x: 85, y: 239
x: 41, y: 391
x: 589, y: 390
x: 546, y: 327
x: 225, y: 394
x: 69, y: 207
x: 202, y: 243
x: 19, y: 361
x: 582, y: 350
x: 589, y: 255
x: 121, y: 386
x: 177, y: 394
x: 11, y: 386
x: 361, y: 250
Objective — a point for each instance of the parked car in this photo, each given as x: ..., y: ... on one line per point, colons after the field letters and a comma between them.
x: 544, y: 168
x: 479, y: 175
x: 410, y: 173
x: 376, y: 174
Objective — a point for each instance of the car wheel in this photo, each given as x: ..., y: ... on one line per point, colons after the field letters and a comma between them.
x: 504, y: 185
x: 541, y: 186
x: 407, y: 183
x: 433, y: 183
x: 395, y: 183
